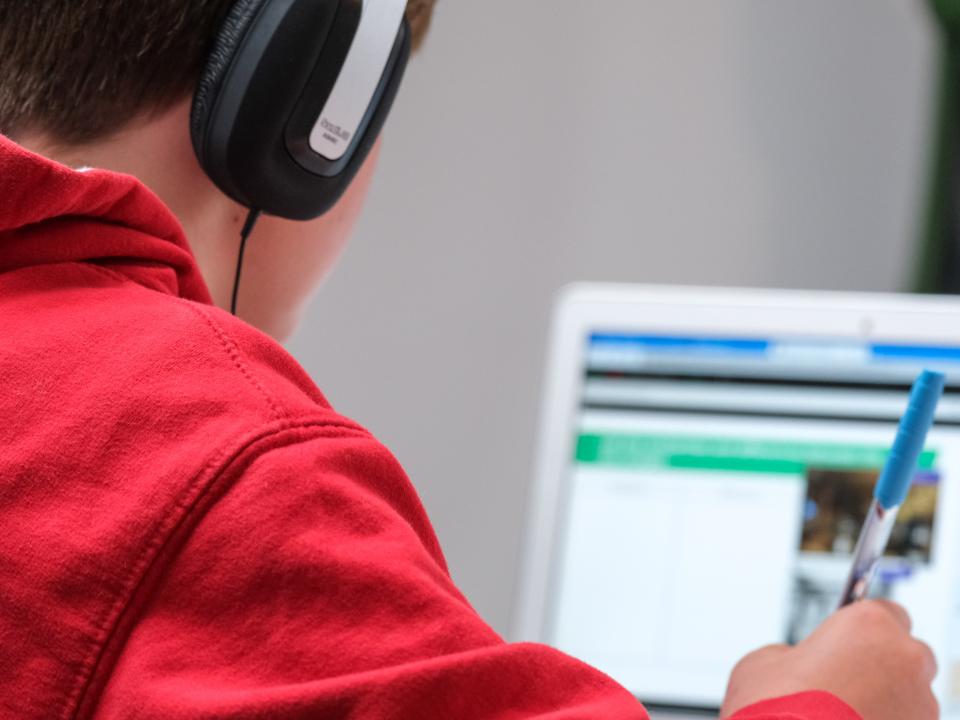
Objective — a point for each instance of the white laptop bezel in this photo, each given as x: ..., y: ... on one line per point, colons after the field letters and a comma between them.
x: 588, y: 308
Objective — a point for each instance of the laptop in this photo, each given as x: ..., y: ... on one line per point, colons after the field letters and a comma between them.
x: 706, y: 459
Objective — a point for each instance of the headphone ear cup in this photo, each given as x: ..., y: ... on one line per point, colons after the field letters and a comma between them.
x: 225, y: 47
x: 273, y: 68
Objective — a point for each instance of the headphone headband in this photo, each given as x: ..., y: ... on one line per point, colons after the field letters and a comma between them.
x: 380, y: 21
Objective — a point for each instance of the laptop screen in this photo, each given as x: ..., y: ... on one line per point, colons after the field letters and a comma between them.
x: 715, y: 495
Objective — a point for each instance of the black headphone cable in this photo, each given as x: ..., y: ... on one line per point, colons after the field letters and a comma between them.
x: 245, y: 232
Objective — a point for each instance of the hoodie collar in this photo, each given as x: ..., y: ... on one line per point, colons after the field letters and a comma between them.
x: 50, y: 213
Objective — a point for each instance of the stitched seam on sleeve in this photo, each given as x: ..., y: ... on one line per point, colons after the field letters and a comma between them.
x: 235, y: 354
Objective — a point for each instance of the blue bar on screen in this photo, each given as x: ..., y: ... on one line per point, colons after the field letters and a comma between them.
x: 754, y: 346
x: 668, y: 343
x: 916, y: 352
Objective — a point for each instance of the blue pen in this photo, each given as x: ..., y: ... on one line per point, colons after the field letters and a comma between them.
x: 893, y: 484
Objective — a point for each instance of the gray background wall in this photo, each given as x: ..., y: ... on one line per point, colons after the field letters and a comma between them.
x: 538, y: 142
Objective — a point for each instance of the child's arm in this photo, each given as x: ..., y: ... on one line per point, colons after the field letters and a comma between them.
x: 314, y: 588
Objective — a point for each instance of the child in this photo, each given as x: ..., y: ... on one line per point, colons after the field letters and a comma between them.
x: 188, y: 529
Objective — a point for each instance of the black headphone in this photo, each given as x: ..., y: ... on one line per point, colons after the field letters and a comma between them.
x: 293, y: 96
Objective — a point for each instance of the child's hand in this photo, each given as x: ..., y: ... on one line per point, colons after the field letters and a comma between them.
x: 863, y: 654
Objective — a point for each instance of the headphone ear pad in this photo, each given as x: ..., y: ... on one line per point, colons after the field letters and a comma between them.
x: 225, y: 47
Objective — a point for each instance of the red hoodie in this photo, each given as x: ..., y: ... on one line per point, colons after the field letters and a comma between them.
x: 188, y: 530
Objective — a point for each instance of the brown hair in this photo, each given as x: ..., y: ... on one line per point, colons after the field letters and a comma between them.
x: 79, y: 70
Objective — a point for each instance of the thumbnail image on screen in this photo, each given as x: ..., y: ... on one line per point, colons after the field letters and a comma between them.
x: 836, y: 505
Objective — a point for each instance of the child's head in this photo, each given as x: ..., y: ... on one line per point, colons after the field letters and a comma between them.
x: 108, y: 83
